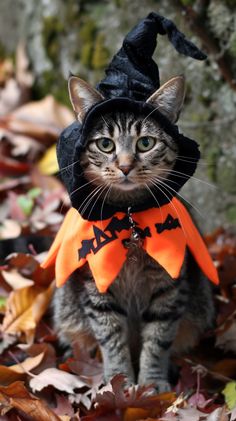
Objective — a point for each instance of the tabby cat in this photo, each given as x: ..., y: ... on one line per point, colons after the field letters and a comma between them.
x: 145, y: 316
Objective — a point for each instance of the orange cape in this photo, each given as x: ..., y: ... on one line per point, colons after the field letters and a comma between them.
x: 166, y: 232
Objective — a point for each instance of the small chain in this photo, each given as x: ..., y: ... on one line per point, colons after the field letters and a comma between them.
x: 134, y: 233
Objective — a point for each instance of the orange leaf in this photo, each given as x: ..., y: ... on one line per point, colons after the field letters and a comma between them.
x: 134, y: 414
x: 16, y: 396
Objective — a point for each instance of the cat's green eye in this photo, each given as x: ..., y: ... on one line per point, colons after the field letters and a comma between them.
x: 105, y: 144
x: 145, y: 143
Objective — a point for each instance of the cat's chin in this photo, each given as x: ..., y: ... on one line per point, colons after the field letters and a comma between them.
x: 126, y: 193
x: 126, y: 185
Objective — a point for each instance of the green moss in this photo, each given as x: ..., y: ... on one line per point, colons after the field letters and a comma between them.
x: 87, y: 54
x: 233, y: 45
x: 101, y: 53
x: 212, y: 157
x: 51, y: 83
x: 230, y: 3
x: 3, y: 53
x: 226, y: 176
x: 52, y: 29
x: 187, y: 2
x: 88, y: 31
x: 231, y: 214
x: 119, y: 3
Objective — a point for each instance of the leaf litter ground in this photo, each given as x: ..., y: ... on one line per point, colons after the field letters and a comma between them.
x: 38, y: 380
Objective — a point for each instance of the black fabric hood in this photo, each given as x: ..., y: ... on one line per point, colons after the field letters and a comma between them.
x: 131, y: 78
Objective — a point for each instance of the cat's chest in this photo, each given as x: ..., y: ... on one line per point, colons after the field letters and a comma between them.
x: 138, y: 279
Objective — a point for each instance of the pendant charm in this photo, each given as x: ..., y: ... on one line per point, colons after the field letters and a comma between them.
x: 135, y: 238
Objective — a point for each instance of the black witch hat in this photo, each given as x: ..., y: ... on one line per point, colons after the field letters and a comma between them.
x: 131, y: 78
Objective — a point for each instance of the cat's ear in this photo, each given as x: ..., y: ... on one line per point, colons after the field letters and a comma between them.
x: 82, y: 96
x: 169, y: 98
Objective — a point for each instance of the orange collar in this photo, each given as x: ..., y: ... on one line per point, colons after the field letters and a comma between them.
x: 166, y: 232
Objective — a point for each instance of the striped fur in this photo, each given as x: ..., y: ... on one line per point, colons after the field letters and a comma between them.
x: 145, y: 316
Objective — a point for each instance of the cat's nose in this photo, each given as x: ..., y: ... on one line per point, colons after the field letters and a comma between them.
x: 126, y: 168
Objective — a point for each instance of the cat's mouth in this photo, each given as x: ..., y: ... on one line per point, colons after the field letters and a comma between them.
x: 126, y: 184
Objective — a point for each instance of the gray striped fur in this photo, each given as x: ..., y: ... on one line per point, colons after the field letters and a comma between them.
x: 145, y: 316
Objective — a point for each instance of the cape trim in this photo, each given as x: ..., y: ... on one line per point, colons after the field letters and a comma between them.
x: 166, y: 232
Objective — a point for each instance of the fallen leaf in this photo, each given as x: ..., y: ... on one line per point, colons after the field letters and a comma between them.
x: 48, y: 164
x: 16, y: 396
x: 16, y: 280
x: 227, y: 339
x: 226, y: 367
x: 64, y: 407
x: 219, y: 414
x: 134, y: 414
x: 9, y: 375
x: 116, y: 396
x: 7, y: 341
x: 233, y: 415
x: 49, y: 359
x: 229, y: 393
x: 9, y: 229
x: 61, y: 380
x: 25, y: 307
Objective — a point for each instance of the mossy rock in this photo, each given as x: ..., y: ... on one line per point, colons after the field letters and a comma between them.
x: 231, y: 214
x: 51, y: 82
x: 52, y: 29
x: 101, y: 54
x: 226, y: 175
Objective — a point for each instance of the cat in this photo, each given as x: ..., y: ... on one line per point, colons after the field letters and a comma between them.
x: 145, y: 316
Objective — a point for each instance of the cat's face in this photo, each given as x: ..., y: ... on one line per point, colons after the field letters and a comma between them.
x: 127, y: 154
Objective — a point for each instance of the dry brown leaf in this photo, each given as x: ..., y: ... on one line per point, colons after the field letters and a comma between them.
x: 29, y: 266
x: 115, y: 396
x: 41, y: 120
x: 10, y: 96
x: 64, y: 407
x: 16, y: 396
x: 47, y: 349
x: 16, y: 280
x: 25, y: 307
x: 47, y: 112
x: 227, y: 339
x: 134, y: 414
x: 9, y: 375
x: 29, y: 364
x: 61, y: 380
x: 9, y: 229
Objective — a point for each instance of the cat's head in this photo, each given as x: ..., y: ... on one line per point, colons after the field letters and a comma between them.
x: 128, y: 155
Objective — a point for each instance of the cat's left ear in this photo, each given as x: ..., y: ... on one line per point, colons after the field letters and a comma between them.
x: 82, y: 96
x: 169, y: 98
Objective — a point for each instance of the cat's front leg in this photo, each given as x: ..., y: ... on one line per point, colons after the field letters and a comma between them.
x: 157, y: 337
x: 110, y: 331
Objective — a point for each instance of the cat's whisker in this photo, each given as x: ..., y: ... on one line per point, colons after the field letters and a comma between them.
x: 84, y: 185
x: 150, y: 191
x: 81, y: 187
x: 89, y: 197
x: 194, y: 161
x: 99, y: 195
x: 183, y: 175
x: 172, y: 204
x: 68, y: 166
x: 182, y: 197
x: 103, y: 202
x: 153, y: 111
x: 165, y: 178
